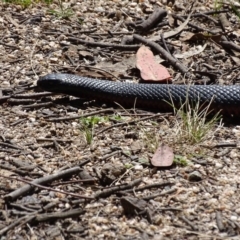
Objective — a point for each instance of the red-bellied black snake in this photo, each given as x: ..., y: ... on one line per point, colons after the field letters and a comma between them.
x: 150, y: 96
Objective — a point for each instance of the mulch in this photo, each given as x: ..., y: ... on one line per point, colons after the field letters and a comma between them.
x: 79, y: 169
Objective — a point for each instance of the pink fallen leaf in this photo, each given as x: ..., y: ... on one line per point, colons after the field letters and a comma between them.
x: 163, y: 157
x: 149, y: 68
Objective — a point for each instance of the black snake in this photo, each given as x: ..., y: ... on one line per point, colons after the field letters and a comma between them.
x: 149, y: 96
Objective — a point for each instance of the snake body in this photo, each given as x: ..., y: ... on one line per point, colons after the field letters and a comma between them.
x: 150, y: 96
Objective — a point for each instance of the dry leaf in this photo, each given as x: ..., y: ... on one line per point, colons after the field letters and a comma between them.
x: 163, y: 157
x: 149, y: 68
x: 191, y: 52
x: 178, y: 29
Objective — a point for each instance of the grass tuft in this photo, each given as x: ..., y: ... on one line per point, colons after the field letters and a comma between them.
x: 62, y: 12
x: 193, y: 124
x: 87, y: 127
x: 219, y: 4
x: 26, y: 3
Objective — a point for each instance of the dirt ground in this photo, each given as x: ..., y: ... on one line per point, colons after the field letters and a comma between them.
x: 81, y: 169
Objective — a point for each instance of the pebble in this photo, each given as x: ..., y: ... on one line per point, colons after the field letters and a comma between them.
x: 195, y: 176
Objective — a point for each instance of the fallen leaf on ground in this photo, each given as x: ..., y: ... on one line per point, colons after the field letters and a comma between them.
x: 149, y: 68
x: 163, y: 157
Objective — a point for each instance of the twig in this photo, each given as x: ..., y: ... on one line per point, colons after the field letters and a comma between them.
x: 13, y: 169
x: 11, y: 146
x: 178, y: 29
x: 172, y: 190
x: 59, y: 215
x: 80, y: 116
x: 149, y: 186
x: 193, y: 25
x: 20, y: 101
x: 21, y: 220
x: 109, y: 191
x: 206, y: 13
x: 164, y: 43
x: 43, y: 180
x: 230, y: 45
x: 48, y: 188
x: 38, y: 105
x: 102, y: 44
x: 131, y: 122
x: 152, y: 20
x: 219, y: 221
x: 33, y: 95
x: 54, y: 139
x: 189, y: 223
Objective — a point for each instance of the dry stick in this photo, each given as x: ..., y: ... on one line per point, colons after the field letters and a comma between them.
x: 59, y: 215
x: 220, y: 145
x: 17, y: 122
x: 133, y: 121
x: 189, y: 223
x: 54, y: 139
x: 230, y: 45
x: 177, y: 64
x: 149, y: 186
x: 219, y: 221
x: 20, y: 101
x: 21, y: 220
x: 33, y: 95
x: 193, y: 25
x: 8, y: 45
x: 152, y: 20
x: 4, y: 98
x: 26, y: 219
x: 208, y: 17
x: 164, y: 43
x: 172, y: 190
x: 173, y: 32
x: 203, y: 235
x: 206, y: 13
x: 177, y: 30
x: 111, y: 190
x: 102, y: 44
x: 38, y: 105
x: 11, y: 146
x: 80, y: 116
x: 224, y: 21
x: 49, y: 188
x: 43, y: 180
x: 15, y: 170
x: 62, y: 32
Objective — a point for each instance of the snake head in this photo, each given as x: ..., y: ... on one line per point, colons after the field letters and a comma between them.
x: 50, y: 82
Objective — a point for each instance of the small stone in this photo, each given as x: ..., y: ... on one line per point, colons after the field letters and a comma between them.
x: 234, y: 218
x: 99, y: 9
x: 195, y: 176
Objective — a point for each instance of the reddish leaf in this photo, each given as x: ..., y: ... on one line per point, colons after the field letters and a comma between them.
x: 163, y: 157
x: 149, y: 68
